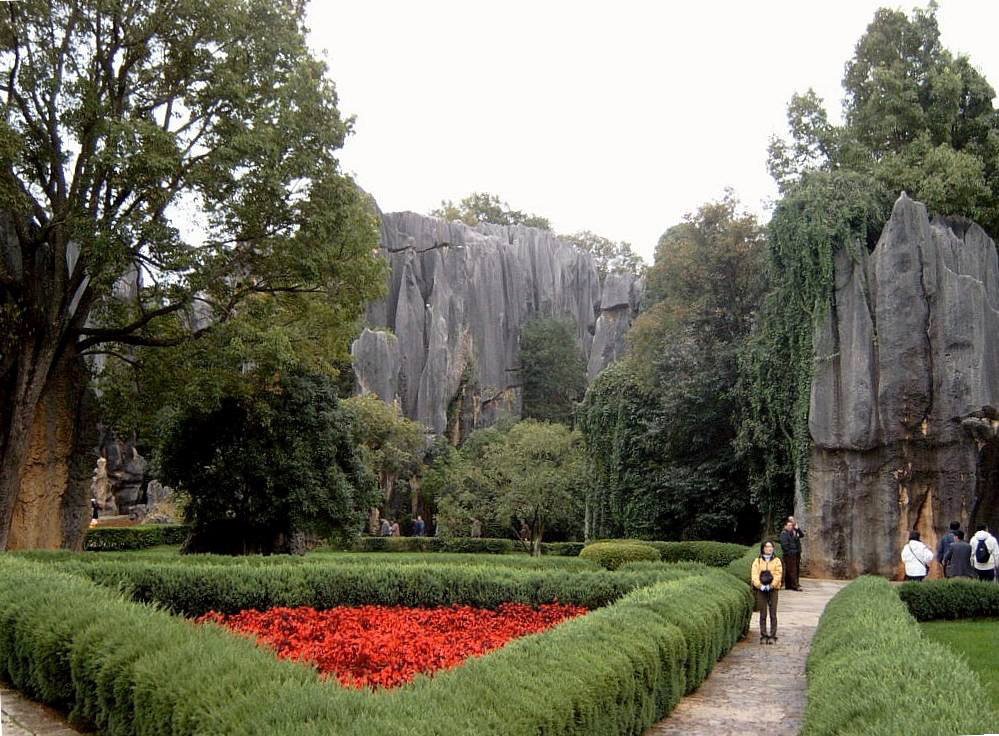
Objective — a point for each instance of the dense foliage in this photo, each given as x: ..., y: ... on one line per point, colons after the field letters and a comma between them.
x: 951, y: 599
x: 659, y: 425
x: 134, y: 537
x: 611, y: 555
x: 609, y: 256
x: 479, y: 207
x: 263, y: 472
x: 552, y: 369
x: 867, y: 645
x: 168, y: 171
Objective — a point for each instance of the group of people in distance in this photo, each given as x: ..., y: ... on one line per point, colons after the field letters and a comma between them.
x: 391, y: 528
x: 769, y: 574
x: 976, y: 558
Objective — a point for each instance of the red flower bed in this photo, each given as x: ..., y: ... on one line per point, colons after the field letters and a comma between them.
x: 385, y: 646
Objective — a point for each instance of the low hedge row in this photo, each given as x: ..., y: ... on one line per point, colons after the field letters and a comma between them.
x: 950, y: 599
x: 192, y: 590
x: 134, y: 670
x: 611, y: 555
x: 872, y: 672
x: 123, y: 538
x: 715, y: 554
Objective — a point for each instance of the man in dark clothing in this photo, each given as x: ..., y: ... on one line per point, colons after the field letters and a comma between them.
x: 419, y: 527
x: 957, y: 559
x: 945, y: 542
x: 790, y: 543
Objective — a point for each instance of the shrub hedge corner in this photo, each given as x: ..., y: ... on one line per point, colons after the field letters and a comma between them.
x: 611, y: 555
x: 120, y: 539
x: 950, y: 599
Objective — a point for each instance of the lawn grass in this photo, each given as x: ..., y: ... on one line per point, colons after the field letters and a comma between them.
x: 977, y: 641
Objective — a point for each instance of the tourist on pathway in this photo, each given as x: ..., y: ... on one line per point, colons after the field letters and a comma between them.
x: 419, y: 528
x: 917, y: 558
x: 394, y: 530
x: 957, y: 561
x: 767, y: 574
x: 95, y: 510
x: 386, y: 528
x: 945, y: 542
x: 984, y: 553
x: 790, y: 544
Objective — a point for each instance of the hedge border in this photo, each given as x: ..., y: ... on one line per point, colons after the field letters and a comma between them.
x: 124, y: 538
x: 872, y: 672
x: 950, y: 599
x: 615, y: 670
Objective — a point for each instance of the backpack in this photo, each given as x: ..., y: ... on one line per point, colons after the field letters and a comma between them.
x: 982, y: 553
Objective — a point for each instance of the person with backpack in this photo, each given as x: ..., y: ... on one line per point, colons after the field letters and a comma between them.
x: 945, y: 542
x: 957, y: 560
x: 917, y: 558
x: 984, y: 553
x: 767, y: 575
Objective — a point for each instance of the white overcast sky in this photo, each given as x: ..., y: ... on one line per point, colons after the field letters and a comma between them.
x: 616, y: 117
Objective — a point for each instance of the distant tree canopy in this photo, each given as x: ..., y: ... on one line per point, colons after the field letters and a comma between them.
x: 917, y: 118
x: 552, y: 370
x: 480, y: 207
x: 610, y: 256
x: 531, y: 472
x: 660, y: 425
x: 263, y: 471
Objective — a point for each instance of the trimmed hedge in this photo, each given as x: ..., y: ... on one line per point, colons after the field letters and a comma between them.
x: 872, y: 672
x: 192, y: 590
x: 950, y: 599
x: 123, y: 538
x: 715, y: 554
x: 133, y: 670
x: 468, y: 545
x: 611, y: 555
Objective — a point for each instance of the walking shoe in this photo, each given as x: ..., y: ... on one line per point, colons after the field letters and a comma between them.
x: 764, y: 640
x: 772, y: 640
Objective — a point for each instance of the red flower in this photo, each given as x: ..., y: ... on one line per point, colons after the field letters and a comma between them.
x: 386, y: 646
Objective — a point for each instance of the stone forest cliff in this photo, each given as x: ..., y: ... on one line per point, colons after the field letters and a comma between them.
x: 445, y: 342
x: 903, y: 403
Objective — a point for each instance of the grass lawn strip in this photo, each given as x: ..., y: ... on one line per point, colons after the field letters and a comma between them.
x: 977, y: 642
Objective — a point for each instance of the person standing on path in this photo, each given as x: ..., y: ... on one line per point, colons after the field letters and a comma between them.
x: 945, y: 542
x: 917, y: 558
x: 957, y: 561
x: 984, y: 553
x: 790, y: 543
x: 419, y: 528
x: 386, y: 529
x: 767, y: 575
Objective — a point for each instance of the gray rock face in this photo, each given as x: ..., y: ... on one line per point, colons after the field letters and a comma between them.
x: 619, y: 302
x: 906, y: 378
x: 457, y: 299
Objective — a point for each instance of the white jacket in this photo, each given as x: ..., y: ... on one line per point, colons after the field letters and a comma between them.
x: 917, y: 558
x: 991, y: 544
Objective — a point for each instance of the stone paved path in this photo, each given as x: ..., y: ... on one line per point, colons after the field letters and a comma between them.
x: 735, y: 700
x: 23, y: 717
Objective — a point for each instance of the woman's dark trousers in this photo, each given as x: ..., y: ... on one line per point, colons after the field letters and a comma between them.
x: 767, y: 601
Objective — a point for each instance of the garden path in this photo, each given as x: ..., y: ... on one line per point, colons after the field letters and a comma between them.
x: 23, y: 717
x: 757, y: 689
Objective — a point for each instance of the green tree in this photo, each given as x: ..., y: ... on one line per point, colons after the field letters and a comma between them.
x: 166, y: 168
x: 390, y: 444
x: 552, y: 369
x: 482, y: 207
x: 916, y: 118
x: 610, y: 256
x: 660, y: 425
x: 263, y: 472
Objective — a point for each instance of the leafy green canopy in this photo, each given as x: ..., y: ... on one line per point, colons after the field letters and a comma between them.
x: 480, y: 207
x: 169, y: 171
x: 262, y: 471
x: 916, y: 118
x: 659, y: 426
x: 552, y: 370
x: 608, y: 255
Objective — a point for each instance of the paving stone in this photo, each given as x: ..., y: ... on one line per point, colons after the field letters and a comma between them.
x: 757, y: 689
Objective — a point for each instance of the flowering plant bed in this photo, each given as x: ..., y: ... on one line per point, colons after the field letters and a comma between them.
x: 387, y: 646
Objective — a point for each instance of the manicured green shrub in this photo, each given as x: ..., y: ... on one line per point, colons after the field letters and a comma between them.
x: 715, y: 554
x: 955, y: 598
x: 872, y: 672
x: 134, y: 537
x: 612, y: 555
x: 562, y: 549
x: 132, y: 670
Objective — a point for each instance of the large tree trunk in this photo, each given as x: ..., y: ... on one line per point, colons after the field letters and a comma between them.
x: 44, y: 473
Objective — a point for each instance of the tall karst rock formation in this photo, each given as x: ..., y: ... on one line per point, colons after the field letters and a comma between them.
x: 445, y: 342
x: 906, y: 382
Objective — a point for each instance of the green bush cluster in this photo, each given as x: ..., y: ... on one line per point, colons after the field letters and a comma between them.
x: 715, y: 554
x: 477, y: 545
x: 123, y: 538
x: 935, y: 599
x: 616, y: 670
x: 872, y: 672
x: 611, y: 555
